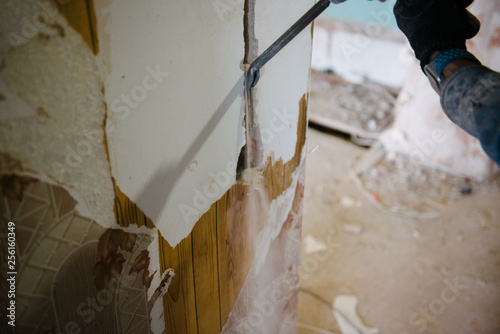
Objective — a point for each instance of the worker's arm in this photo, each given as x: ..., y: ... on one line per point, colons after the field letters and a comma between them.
x: 470, y: 93
x: 470, y: 97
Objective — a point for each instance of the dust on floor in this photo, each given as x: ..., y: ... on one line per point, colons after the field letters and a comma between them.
x: 421, y: 254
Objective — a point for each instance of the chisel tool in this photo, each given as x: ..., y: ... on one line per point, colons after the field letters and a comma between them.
x: 253, y: 73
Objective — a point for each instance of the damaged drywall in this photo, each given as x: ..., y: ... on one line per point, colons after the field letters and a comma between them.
x: 155, y: 139
x: 251, y: 155
x: 267, y: 302
x: 53, y: 110
x: 162, y: 139
x: 57, y: 188
x: 277, y: 213
x: 170, y: 108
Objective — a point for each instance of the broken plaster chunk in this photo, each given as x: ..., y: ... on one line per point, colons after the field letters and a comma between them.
x: 313, y: 245
x: 344, y: 310
x: 349, y: 202
x: 352, y: 229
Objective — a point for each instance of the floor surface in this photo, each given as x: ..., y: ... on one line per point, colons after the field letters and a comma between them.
x: 433, y: 268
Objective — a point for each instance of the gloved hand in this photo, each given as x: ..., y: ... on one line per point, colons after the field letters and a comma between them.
x: 435, y: 25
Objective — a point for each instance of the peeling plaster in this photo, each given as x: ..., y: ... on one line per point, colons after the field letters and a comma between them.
x: 276, y: 218
x: 169, y: 178
x: 157, y: 320
x: 267, y: 302
x: 53, y: 124
x: 153, y: 140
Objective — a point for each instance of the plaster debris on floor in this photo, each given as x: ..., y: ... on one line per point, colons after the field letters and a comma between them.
x: 347, y: 317
x: 361, y: 110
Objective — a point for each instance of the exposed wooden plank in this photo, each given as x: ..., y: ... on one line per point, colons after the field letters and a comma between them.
x: 273, y: 178
x: 234, y: 245
x: 81, y: 17
x: 278, y: 178
x: 205, y: 260
x: 93, y: 26
x: 179, y: 303
x: 292, y: 165
x: 127, y: 212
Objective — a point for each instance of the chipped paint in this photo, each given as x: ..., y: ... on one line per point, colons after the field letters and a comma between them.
x: 267, y: 302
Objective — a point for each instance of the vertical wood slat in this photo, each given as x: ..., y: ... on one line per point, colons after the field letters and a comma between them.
x: 292, y: 165
x: 179, y: 303
x: 81, y: 17
x: 205, y: 262
x: 235, y: 247
x: 127, y: 212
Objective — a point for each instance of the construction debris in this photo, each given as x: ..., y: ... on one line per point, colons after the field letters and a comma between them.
x: 361, y: 110
x: 344, y: 310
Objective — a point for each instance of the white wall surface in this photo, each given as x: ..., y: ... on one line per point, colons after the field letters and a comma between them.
x: 174, y: 152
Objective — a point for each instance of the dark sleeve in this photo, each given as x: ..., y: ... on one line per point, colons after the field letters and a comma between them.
x: 471, y: 99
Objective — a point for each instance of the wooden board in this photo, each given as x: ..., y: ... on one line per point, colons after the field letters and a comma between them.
x: 179, y: 303
x: 206, y: 271
x: 80, y: 15
x: 127, y: 212
x: 235, y: 247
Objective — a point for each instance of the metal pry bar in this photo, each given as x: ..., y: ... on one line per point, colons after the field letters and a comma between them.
x: 253, y: 73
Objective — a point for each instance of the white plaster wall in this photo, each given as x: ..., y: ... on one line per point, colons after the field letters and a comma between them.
x: 152, y: 146
x: 174, y: 152
x: 284, y: 79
